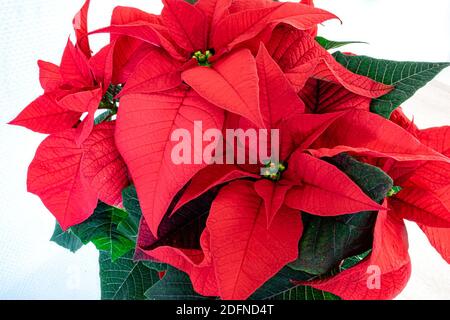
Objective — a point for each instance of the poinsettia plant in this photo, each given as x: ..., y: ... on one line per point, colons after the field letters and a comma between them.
x: 136, y: 163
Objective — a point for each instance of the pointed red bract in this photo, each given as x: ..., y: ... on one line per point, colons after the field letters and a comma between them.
x: 300, y: 131
x: 44, y: 115
x: 196, y: 263
x: 210, y: 177
x: 145, y: 124
x: 156, y: 72
x: 125, y: 15
x: 439, y: 239
x: 370, y: 134
x: 103, y: 166
x: 242, y: 247
x: 220, y: 86
x: 323, y: 97
x: 277, y: 98
x: 49, y: 76
x: 323, y: 189
x: 273, y: 195
x: 55, y: 176
x: 83, y: 101
x: 80, y: 25
x: 301, y: 57
x: 75, y: 68
x: 187, y: 25
x: 214, y: 10
x: 421, y: 206
x: 245, y: 25
x: 384, y: 274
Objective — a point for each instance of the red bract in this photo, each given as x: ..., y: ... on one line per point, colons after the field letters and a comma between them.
x: 78, y: 164
x: 425, y: 194
x: 70, y: 90
x: 216, y: 33
x: 261, y: 209
x: 71, y: 178
x: 384, y: 274
x: 423, y: 198
x: 232, y: 64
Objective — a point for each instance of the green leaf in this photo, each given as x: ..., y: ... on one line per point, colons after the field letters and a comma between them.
x: 101, y: 230
x: 175, y: 285
x: 306, y: 293
x: 406, y: 77
x: 103, y: 116
x: 281, y: 287
x: 154, y: 265
x: 125, y: 279
x: 130, y: 225
x: 327, y: 241
x: 353, y: 261
x: 66, y: 239
x: 329, y: 44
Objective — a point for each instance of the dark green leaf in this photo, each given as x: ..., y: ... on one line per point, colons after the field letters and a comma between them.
x: 157, y: 266
x: 130, y: 225
x: 306, y: 293
x: 101, y: 230
x: 329, y: 44
x: 406, y: 77
x: 125, y: 279
x: 280, y: 283
x: 353, y: 261
x: 103, y: 116
x: 326, y: 241
x: 66, y: 239
x: 175, y: 285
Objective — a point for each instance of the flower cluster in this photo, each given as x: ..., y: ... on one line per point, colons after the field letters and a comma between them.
x: 347, y: 152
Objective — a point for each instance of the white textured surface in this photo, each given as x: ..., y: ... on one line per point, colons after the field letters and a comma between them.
x: 31, y: 267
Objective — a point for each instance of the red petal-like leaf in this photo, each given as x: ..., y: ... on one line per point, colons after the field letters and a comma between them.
x: 439, y: 239
x: 323, y: 97
x: 84, y: 101
x: 74, y: 68
x: 145, y: 124
x: 210, y: 177
x: 44, y: 115
x: 55, y: 176
x: 245, y: 25
x: 273, y: 195
x: 323, y: 189
x: 244, y: 251
x: 421, y: 206
x: 301, y: 57
x: 299, y: 131
x: 103, y: 166
x: 102, y: 63
x: 125, y: 15
x: 436, y: 138
x: 381, y: 276
x: 220, y: 85
x: 370, y: 134
x: 156, y: 72
x: 214, y: 9
x: 49, y: 76
x: 277, y: 98
x: 196, y: 263
x: 188, y: 26
x: 150, y: 33
x: 80, y: 25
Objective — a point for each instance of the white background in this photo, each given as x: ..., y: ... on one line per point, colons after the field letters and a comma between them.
x: 31, y: 267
